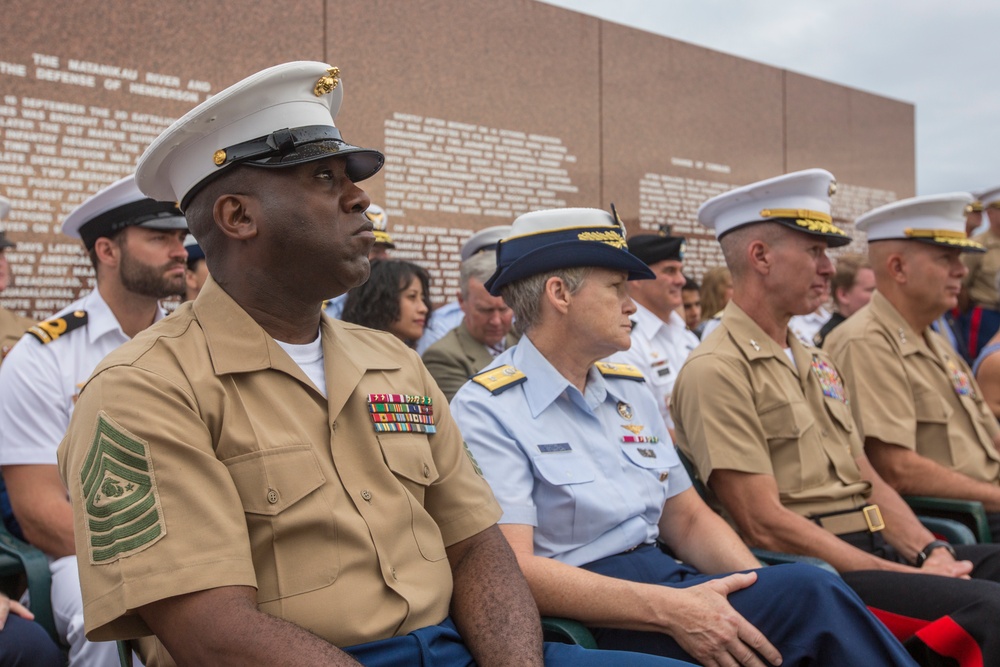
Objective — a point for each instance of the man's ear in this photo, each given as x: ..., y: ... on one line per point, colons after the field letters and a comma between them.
x: 236, y: 215
x: 896, y: 264
x: 107, y: 251
x: 759, y: 257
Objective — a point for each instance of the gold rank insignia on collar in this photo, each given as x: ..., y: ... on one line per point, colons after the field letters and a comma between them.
x: 626, y: 371
x: 500, y: 379
x: 754, y: 345
x: 50, y: 330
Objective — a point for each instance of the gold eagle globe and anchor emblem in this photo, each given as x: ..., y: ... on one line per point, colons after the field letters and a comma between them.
x: 328, y: 82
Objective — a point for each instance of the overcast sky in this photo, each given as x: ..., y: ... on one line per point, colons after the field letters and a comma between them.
x: 940, y: 55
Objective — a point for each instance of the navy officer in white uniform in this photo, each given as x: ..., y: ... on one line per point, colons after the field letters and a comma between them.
x: 588, y: 479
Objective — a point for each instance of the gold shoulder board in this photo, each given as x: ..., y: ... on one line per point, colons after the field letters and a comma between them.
x: 627, y: 371
x: 500, y: 379
x: 50, y: 330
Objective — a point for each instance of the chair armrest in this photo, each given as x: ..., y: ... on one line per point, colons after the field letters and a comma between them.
x: 953, y: 531
x: 17, y: 556
x: 568, y: 631
x: 970, y: 512
x: 778, y: 558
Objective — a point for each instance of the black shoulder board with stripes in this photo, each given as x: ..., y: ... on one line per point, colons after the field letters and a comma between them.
x: 50, y: 330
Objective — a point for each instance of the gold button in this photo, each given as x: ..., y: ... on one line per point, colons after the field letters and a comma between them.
x: 427, y: 470
x: 272, y: 496
x: 367, y: 495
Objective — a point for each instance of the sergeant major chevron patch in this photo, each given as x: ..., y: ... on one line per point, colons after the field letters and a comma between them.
x: 120, y: 497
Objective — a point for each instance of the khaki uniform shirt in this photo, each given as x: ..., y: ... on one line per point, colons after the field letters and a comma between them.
x: 983, y: 267
x: 914, y: 391
x: 200, y: 455
x: 457, y: 357
x: 12, y: 327
x: 741, y: 404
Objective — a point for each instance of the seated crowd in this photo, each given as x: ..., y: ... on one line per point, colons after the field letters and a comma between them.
x: 306, y: 463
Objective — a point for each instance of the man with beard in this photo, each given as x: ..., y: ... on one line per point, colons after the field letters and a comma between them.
x: 136, y: 247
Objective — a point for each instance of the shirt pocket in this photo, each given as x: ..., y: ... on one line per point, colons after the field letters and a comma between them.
x: 652, y: 457
x: 932, y: 413
x: 292, y: 526
x: 787, y: 428
x: 408, y: 456
x: 564, y: 468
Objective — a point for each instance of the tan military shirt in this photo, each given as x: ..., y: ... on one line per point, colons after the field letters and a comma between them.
x: 983, y: 267
x: 741, y: 404
x: 915, y: 392
x: 12, y: 327
x: 200, y: 455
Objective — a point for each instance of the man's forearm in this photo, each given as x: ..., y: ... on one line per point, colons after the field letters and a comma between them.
x: 911, y: 474
x: 223, y: 627
x: 492, y: 606
x: 40, y: 504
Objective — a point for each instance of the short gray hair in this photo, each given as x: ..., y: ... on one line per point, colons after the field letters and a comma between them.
x: 735, y: 243
x: 524, y: 296
x: 480, y: 266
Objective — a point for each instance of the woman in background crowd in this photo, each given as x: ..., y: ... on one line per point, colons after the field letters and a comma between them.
x: 396, y: 299
x: 716, y: 291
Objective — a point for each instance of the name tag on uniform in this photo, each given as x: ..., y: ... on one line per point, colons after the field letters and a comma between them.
x: 555, y: 448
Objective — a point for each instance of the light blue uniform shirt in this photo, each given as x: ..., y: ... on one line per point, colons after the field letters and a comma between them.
x: 560, y: 461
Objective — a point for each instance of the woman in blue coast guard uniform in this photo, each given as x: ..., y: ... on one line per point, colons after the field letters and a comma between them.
x: 588, y: 478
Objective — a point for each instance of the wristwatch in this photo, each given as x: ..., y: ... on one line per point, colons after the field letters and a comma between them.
x: 926, y: 552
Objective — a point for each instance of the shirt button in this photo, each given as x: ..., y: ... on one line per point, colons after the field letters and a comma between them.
x: 427, y: 470
x: 367, y: 495
x: 272, y: 496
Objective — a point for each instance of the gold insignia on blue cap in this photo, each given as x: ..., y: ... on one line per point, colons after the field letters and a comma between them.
x: 326, y: 83
x: 611, y: 237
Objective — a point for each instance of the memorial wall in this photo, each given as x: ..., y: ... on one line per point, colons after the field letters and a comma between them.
x: 484, y: 109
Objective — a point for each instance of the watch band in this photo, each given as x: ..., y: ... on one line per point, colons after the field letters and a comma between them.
x: 925, y: 553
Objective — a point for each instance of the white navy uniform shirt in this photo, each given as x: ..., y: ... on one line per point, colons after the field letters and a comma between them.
x: 39, y: 382
x: 590, y: 472
x: 659, y: 349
